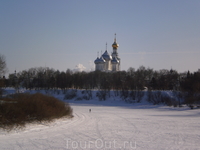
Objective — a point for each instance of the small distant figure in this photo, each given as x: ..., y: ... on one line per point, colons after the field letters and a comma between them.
x: 89, y: 110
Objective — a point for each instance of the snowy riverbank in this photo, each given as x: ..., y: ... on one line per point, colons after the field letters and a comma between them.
x: 112, y: 124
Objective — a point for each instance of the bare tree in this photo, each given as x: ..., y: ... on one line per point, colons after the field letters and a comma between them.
x: 3, y: 68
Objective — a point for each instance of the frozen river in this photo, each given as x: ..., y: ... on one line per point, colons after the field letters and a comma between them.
x: 112, y: 127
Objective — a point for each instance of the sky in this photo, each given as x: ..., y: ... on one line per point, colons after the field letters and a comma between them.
x: 68, y: 34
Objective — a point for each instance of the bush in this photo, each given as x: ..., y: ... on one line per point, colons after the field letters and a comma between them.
x: 71, y: 94
x: 168, y: 100
x: 18, y: 109
x: 116, y: 92
x: 192, y: 98
x: 2, y: 91
x: 87, y: 94
x: 101, y: 94
x: 136, y: 96
x: 157, y: 97
x: 154, y: 97
x: 124, y: 94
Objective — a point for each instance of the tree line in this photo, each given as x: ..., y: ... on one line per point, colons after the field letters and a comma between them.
x: 48, y: 78
x: 45, y: 78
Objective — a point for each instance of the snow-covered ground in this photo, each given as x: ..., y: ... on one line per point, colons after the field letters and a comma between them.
x: 112, y: 124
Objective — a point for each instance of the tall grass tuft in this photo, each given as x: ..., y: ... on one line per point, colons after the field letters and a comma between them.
x: 19, y: 109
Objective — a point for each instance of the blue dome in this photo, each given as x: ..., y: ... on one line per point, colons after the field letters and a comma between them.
x: 101, y: 60
x: 97, y: 60
x: 114, y: 60
x: 106, y: 56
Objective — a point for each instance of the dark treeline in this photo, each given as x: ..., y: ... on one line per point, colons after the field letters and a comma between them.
x: 46, y: 78
x: 131, y: 80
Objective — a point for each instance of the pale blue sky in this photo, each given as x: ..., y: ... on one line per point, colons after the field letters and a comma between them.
x: 60, y: 34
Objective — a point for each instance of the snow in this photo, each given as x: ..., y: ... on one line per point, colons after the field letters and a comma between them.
x: 111, y: 124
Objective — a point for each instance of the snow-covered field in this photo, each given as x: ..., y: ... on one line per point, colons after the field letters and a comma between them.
x: 112, y: 125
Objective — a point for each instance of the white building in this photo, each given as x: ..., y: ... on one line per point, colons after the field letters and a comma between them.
x: 109, y: 62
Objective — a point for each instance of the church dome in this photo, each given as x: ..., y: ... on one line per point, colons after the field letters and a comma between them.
x: 106, y: 56
x: 115, y: 45
x: 97, y: 60
x: 101, y: 60
x: 114, y: 60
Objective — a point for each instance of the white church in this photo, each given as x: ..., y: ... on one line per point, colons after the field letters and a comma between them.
x: 109, y: 62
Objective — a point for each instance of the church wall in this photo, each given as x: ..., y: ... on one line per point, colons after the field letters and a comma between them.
x: 100, y: 67
x: 114, y: 67
x: 108, y: 65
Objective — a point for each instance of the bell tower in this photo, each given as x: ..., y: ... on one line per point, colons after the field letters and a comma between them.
x: 115, y: 56
x: 115, y: 45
